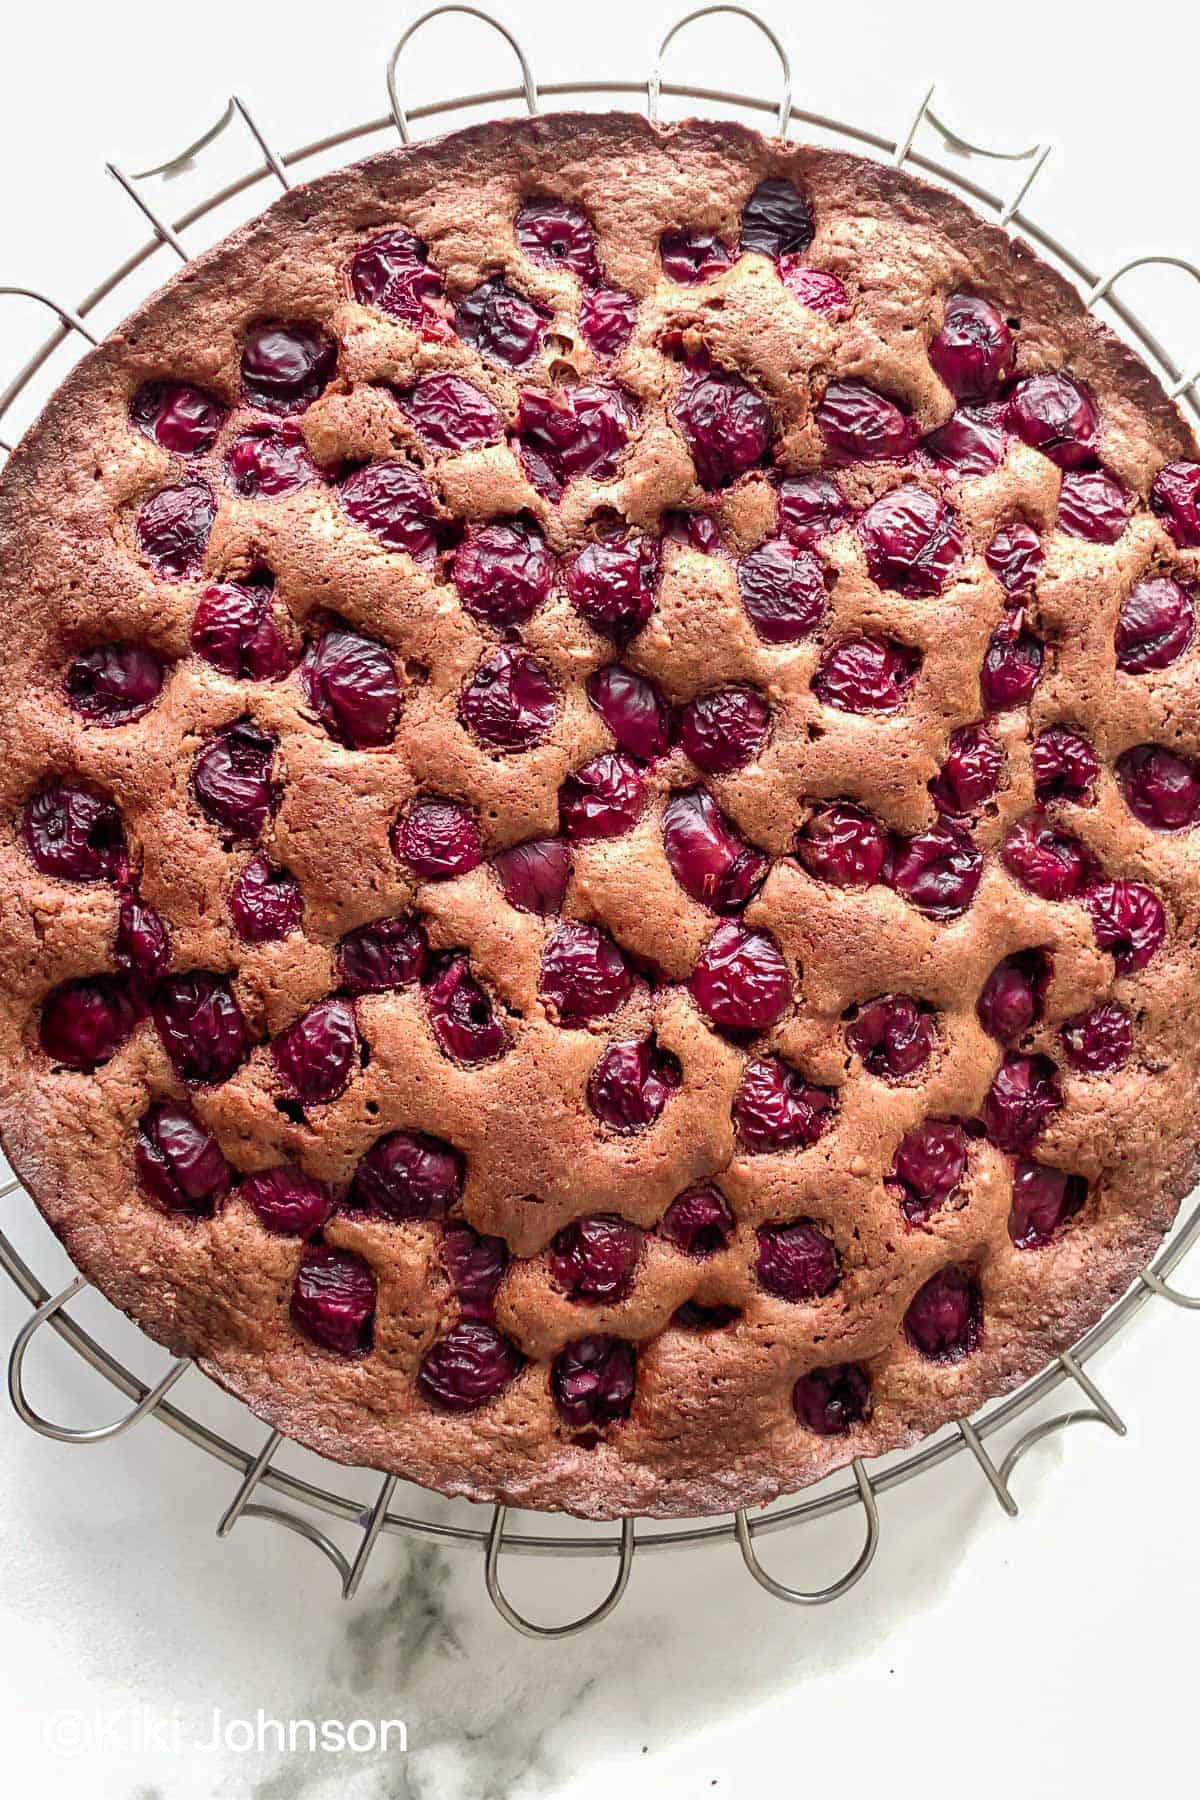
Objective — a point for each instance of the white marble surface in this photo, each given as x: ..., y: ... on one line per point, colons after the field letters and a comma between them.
x: 1046, y: 1656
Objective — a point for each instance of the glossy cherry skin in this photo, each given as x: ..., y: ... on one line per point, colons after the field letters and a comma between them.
x: 267, y: 462
x: 1055, y: 414
x: 944, y: 1320
x: 503, y: 572
x: 607, y: 317
x: 777, y: 220
x: 776, y: 1107
x: 1044, y: 1200
x: 603, y: 798
x: 593, y: 1382
x: 698, y: 1221
x: 286, y: 366
x: 594, y: 1260
x: 438, y: 839
x: 287, y: 1202
x: 392, y: 501
x: 232, y: 779
x: 782, y: 588
x: 810, y: 507
x: 201, y: 1027
x: 973, y: 352
x: 584, y: 975
x: 818, y: 289
x: 1023, y: 1098
x: 1175, y: 497
x: 842, y: 844
x: 833, y: 1401
x: 937, y: 871
x: 113, y: 684
x: 612, y: 583
x: 451, y: 414
x: 1015, y: 556
x: 502, y: 324
x: 970, y: 774
x: 1093, y: 505
x: 317, y: 1054
x: 929, y: 1166
x: 1128, y: 920
x: 407, y: 1175
x: 468, y: 1367
x: 796, y: 1261
x: 509, y: 703
x: 971, y: 442
x: 173, y: 528
x: 631, y: 1084
x: 1012, y: 666
x: 1013, y: 996
x: 392, y: 272
x: 633, y: 709
x: 74, y: 834
x: 1155, y: 626
x: 234, y: 630
x: 143, y: 945
x: 351, y: 683
x: 558, y: 235
x: 333, y: 1299
x: 464, y: 1018
x: 475, y: 1265
x: 582, y: 431
x: 85, y: 1022
x: 1065, y: 767
x: 912, y: 541
x: 741, y: 981
x: 178, y: 1161
x: 894, y: 1036
x: 383, y: 955
x: 861, y: 425
x: 177, y: 416
x: 1160, y: 788
x: 693, y: 256
x: 533, y: 876
x: 725, y: 424
x: 1052, y: 864
x: 1098, y: 1041
x: 697, y: 530
x: 265, y: 903
x: 865, y: 674
x: 708, y: 857
x: 724, y: 729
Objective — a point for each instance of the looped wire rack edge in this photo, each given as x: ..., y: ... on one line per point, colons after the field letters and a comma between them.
x: 257, y: 1469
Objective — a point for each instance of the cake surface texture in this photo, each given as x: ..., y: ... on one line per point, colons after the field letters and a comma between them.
x: 599, y: 780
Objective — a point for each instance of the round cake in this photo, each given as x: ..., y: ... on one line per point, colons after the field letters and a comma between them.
x: 598, y: 780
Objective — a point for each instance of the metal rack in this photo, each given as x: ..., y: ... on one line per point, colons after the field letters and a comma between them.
x: 259, y: 1471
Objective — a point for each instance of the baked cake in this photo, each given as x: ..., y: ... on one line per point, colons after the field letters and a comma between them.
x: 598, y: 780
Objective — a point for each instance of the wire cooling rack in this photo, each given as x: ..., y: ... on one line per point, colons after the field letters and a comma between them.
x: 259, y: 1471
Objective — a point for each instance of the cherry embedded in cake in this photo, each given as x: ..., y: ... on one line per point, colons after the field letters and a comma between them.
x: 407, y: 1175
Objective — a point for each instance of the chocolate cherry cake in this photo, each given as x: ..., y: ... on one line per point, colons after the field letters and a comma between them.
x: 599, y: 778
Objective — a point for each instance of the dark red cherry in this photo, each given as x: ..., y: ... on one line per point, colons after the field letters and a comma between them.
x: 392, y: 272
x: 559, y: 236
x: 1014, y: 994
x: 333, y: 1299
x: 234, y: 630
x: 698, y: 1221
x: 607, y: 316
x: 593, y: 1382
x: 842, y: 844
x: 866, y: 674
x: 438, y: 839
x: 501, y: 323
x: 173, y: 528
x: 143, y: 945
x: 1012, y: 666
x: 724, y: 729
x: 594, y: 1259
x: 777, y: 220
x: 633, y: 709
x: 912, y: 541
x: 232, y: 779
x: 708, y: 856
x: 816, y: 289
x: 1128, y: 920
x: 938, y: 871
x: 475, y: 1265
x: 265, y: 903
x: 84, y: 1023
x: 631, y: 1084
x: 692, y: 256
x: 503, y: 572
x: 611, y: 583
x: 534, y: 875
x: 1050, y: 863
x: 1044, y: 1199
x: 945, y: 1317
x: 1065, y: 766
x: 1100, y: 1040
x: 1155, y: 625
x: 509, y: 702
x: 1160, y: 788
x: 468, y: 1367
x: 178, y: 1161
x: 201, y: 1027
x: 74, y: 834
x: 382, y: 955
x: 971, y: 442
x: 584, y: 975
x: 973, y: 352
x: 894, y: 1036
x: 725, y: 424
x: 860, y: 425
x: 177, y: 416
x: 286, y: 1201
x: 698, y: 530
x: 407, y: 1175
x: 1175, y: 497
x: 579, y: 431
x: 1015, y: 557
x: 316, y: 1055
x: 796, y: 1261
x: 834, y: 1400
x: 741, y: 980
x: 810, y: 507
x: 268, y: 461
x: 286, y: 366
x: 783, y: 591
x: 970, y: 774
x: 114, y: 683
x: 929, y: 1165
x: 464, y: 1018
x: 391, y: 500
x: 451, y: 414
x: 1055, y: 414
x: 351, y: 683
x: 1023, y: 1098
x: 778, y: 1108
x: 602, y: 799
x: 1093, y: 505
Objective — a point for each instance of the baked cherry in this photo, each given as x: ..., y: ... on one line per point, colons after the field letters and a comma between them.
x: 594, y: 1259
x: 475, y: 1265
x: 817, y: 289
x: 558, y: 235
x: 796, y: 1261
x: 333, y: 1299
x: 503, y: 572
x: 178, y: 1161
x: 1093, y: 505
x: 382, y: 955
x: 501, y: 323
x: 1015, y: 557
x: 912, y: 541
x: 392, y: 272
x: 286, y: 366
x: 582, y: 431
x: 177, y: 416
x: 234, y: 630
x: 201, y: 1027
x: 74, y: 834
x: 1128, y: 920
x: 945, y: 1316
x: 268, y: 461
x: 287, y: 1202
x: 173, y: 527
x: 929, y: 1166
x: 1099, y: 1040
x: 317, y: 1053
x: 607, y: 316
x: 1155, y: 625
x: 451, y: 414
x: 776, y: 1107
x: 741, y: 980
x: 973, y: 352
x: 602, y: 799
x: 631, y: 1083
x: 232, y: 779
x: 1065, y: 766
x: 698, y: 530
x: 533, y: 876
x: 894, y: 1036
x: 593, y: 1381
x: 438, y: 839
x: 698, y: 1221
x: 810, y: 507
x: 1044, y: 1199
x: 143, y: 945
x: 1052, y: 864
x: 1175, y: 497
x: 1014, y: 994
x: 1023, y: 1098
x: 708, y: 857
x: 611, y: 583
x: 464, y: 1018
x: 832, y: 1401
x: 1160, y: 788
x: 391, y: 500
x: 509, y: 702
x: 842, y: 844
x: 691, y: 256
x: 84, y: 1023
x: 633, y: 709
x: 866, y: 674
x: 584, y: 976
x: 724, y: 729
x: 970, y: 774
x: 777, y: 220
x: 265, y: 903
x: 860, y: 425
x: 471, y: 1365
x: 114, y: 683
x: 407, y: 1175
x: 1012, y: 665
x: 782, y: 588
x: 725, y: 424
x: 1055, y: 414
x: 971, y: 442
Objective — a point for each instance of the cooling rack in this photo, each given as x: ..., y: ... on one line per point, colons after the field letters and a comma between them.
x: 297, y: 1504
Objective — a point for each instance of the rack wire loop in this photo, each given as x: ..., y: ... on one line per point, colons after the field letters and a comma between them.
x: 1101, y: 1411
x: 278, y: 1515
x: 1165, y: 1291
x: 654, y: 80
x: 1103, y: 291
x: 995, y: 1480
x: 491, y: 1575
x: 400, y: 116
x: 70, y: 321
x: 1036, y: 155
x: 835, y: 1590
